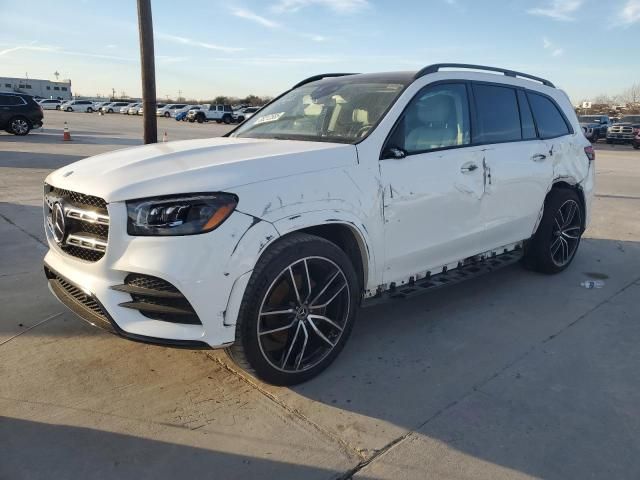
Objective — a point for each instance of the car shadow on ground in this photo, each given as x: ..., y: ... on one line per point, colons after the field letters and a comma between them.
x: 61, y: 451
x: 50, y: 136
x: 522, y: 370
x: 37, y: 160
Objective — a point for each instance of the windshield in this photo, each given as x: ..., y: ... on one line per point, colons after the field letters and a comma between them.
x: 589, y: 119
x: 630, y: 119
x: 339, y: 110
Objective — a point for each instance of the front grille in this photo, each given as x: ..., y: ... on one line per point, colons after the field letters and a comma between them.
x: 157, y: 299
x: 78, y: 199
x: 86, y: 223
x: 82, y: 304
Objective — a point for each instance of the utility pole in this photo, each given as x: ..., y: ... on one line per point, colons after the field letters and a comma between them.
x: 147, y: 61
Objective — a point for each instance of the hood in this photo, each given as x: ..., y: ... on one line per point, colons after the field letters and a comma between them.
x: 216, y: 164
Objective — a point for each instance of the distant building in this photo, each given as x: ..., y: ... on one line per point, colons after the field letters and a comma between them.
x: 37, y: 88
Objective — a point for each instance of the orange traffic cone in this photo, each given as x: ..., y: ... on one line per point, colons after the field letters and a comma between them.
x: 66, y: 136
x: 165, y: 137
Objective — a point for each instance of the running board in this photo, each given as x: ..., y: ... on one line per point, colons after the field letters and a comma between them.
x: 470, y: 268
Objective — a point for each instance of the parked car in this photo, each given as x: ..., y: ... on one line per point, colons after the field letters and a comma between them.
x: 19, y: 113
x: 77, y: 106
x: 242, y: 114
x: 125, y: 109
x: 345, y: 190
x: 98, y: 105
x: 623, y: 131
x: 158, y: 105
x: 213, y: 112
x: 182, y: 116
x: 595, y: 126
x: 50, y: 104
x: 114, y: 107
x: 178, y: 109
x: 134, y: 109
x: 167, y: 110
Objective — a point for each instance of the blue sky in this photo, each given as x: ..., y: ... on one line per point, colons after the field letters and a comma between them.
x: 207, y: 48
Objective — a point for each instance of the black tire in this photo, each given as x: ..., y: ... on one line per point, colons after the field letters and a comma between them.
x: 539, y: 250
x: 89, y: 110
x: 636, y: 145
x: 226, y: 119
x: 57, y: 107
x: 240, y: 119
x: 110, y: 110
x: 69, y: 109
x: 19, y: 126
x: 167, y: 114
x: 247, y: 351
x: 200, y: 119
x: 218, y: 121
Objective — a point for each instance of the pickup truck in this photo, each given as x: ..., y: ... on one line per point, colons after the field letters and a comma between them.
x: 218, y: 113
x: 625, y: 130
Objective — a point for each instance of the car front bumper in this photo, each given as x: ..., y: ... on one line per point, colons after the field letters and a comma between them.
x: 198, y: 266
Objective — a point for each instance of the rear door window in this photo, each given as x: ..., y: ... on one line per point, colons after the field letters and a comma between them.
x: 497, y: 117
x: 550, y: 121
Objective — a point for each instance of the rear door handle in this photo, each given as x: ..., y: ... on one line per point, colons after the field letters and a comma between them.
x: 539, y: 157
x: 468, y: 167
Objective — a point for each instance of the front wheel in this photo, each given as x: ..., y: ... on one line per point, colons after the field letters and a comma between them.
x: 89, y: 110
x: 167, y: 114
x: 555, y: 243
x: 297, y: 312
x: 57, y: 107
x: 69, y: 109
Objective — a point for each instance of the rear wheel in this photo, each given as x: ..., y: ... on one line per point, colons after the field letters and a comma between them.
x: 69, y: 109
x: 297, y: 312
x: 200, y: 119
x: 167, y: 114
x: 19, y: 126
x: 227, y: 119
x: 555, y: 243
x: 89, y: 110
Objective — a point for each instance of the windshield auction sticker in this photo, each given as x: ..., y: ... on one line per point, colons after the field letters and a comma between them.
x: 269, y: 118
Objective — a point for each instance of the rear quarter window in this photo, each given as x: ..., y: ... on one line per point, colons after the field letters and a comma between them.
x: 551, y: 123
x: 11, y: 100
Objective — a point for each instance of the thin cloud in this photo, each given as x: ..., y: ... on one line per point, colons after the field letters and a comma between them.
x: 254, y: 17
x: 339, y: 6
x: 196, y: 43
x: 28, y: 47
x: 561, y: 10
x: 551, y: 48
x: 629, y: 15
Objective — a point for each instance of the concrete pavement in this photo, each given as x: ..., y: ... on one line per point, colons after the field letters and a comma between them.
x: 511, y: 375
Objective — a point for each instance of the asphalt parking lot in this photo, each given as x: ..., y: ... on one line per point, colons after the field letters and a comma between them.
x: 512, y: 375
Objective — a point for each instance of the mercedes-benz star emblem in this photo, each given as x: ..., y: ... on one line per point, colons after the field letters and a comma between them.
x: 58, y: 222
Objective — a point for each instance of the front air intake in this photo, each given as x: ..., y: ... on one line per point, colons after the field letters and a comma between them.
x: 157, y: 299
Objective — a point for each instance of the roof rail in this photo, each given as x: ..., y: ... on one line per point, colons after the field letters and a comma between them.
x: 509, y: 73
x: 320, y: 77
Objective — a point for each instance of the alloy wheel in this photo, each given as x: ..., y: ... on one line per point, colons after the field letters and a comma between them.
x: 19, y: 126
x: 303, y: 314
x: 566, y: 232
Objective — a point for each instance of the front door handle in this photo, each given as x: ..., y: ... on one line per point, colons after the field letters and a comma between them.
x: 468, y: 167
x: 539, y: 157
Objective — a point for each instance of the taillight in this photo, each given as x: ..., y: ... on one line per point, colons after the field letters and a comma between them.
x: 590, y: 152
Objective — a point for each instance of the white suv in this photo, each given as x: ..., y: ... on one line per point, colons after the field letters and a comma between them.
x: 345, y: 190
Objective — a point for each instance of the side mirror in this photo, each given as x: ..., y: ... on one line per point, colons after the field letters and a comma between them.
x: 393, y: 153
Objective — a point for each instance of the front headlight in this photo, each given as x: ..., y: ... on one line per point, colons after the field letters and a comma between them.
x: 188, y: 214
